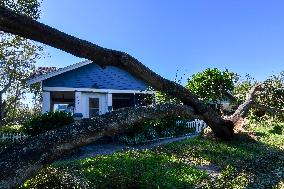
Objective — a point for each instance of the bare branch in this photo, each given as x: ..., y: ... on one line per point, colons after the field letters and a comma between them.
x: 244, y: 108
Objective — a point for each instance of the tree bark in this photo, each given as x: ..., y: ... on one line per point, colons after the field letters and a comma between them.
x: 4, y: 90
x: 19, y: 162
x: 26, y: 27
x: 244, y: 108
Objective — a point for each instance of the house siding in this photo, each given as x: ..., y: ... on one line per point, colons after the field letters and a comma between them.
x: 93, y: 76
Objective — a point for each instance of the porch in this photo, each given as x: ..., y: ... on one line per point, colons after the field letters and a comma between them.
x: 90, y: 103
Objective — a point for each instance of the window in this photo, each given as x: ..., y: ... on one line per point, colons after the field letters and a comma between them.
x: 94, y: 107
x: 68, y: 108
x: 122, y: 100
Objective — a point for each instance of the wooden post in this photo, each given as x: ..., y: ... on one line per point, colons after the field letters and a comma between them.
x: 78, y: 102
x: 109, y: 102
x: 45, y: 101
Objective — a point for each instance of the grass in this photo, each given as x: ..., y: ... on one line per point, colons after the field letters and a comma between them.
x: 134, y: 169
x: 242, y: 163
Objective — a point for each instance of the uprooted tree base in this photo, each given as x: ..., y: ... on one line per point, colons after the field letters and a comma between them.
x: 22, y: 161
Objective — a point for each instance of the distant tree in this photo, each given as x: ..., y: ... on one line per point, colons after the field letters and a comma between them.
x: 270, y: 99
x: 29, y: 8
x: 242, y: 87
x: 17, y: 58
x: 17, y: 112
x: 212, y: 85
x: 273, y: 92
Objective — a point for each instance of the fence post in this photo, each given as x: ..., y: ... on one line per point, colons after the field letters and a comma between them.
x: 197, y: 127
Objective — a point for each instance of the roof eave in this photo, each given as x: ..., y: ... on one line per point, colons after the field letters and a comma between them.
x: 57, y: 72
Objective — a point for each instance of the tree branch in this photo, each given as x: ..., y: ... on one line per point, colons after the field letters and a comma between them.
x: 244, y: 108
x: 19, y: 162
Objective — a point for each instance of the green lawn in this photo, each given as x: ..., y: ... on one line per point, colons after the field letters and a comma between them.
x: 241, y: 163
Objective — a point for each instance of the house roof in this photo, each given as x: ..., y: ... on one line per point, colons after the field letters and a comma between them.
x: 42, y: 70
x: 87, y: 74
x: 44, y: 73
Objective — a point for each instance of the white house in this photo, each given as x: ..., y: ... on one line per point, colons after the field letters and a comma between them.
x: 89, y: 90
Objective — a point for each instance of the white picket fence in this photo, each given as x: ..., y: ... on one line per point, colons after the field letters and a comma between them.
x: 198, y: 124
x: 12, y: 137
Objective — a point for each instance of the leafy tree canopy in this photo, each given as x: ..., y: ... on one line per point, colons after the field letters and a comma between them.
x: 273, y: 92
x: 212, y: 85
x: 27, y: 7
x: 243, y: 86
x: 17, y: 59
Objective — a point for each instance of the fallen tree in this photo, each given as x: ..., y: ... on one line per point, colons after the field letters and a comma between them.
x: 243, y: 109
x: 26, y: 27
x: 19, y: 162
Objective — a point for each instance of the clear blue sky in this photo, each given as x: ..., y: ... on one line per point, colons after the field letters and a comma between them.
x: 245, y: 36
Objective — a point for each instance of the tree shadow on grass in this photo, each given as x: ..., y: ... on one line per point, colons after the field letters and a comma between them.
x: 244, y: 161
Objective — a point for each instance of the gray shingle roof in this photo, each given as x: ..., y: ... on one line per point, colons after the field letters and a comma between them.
x: 93, y: 76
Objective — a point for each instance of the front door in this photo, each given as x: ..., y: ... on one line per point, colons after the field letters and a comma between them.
x: 95, y: 104
x: 94, y: 107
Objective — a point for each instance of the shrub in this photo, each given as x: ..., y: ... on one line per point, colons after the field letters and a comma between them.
x: 45, y: 122
x: 277, y: 129
x: 11, y: 129
x: 151, y: 134
x: 153, y: 129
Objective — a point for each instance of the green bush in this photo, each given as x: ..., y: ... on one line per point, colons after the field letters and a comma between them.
x: 277, y: 129
x: 153, y: 129
x: 45, y: 122
x: 11, y: 129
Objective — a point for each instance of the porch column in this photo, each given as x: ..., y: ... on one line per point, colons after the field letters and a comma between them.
x: 78, y: 102
x: 109, y: 102
x: 45, y: 102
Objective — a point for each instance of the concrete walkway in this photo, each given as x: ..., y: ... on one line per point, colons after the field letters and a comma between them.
x: 110, y: 148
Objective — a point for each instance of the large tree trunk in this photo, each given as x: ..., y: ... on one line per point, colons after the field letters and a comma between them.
x: 31, y: 29
x: 19, y: 162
